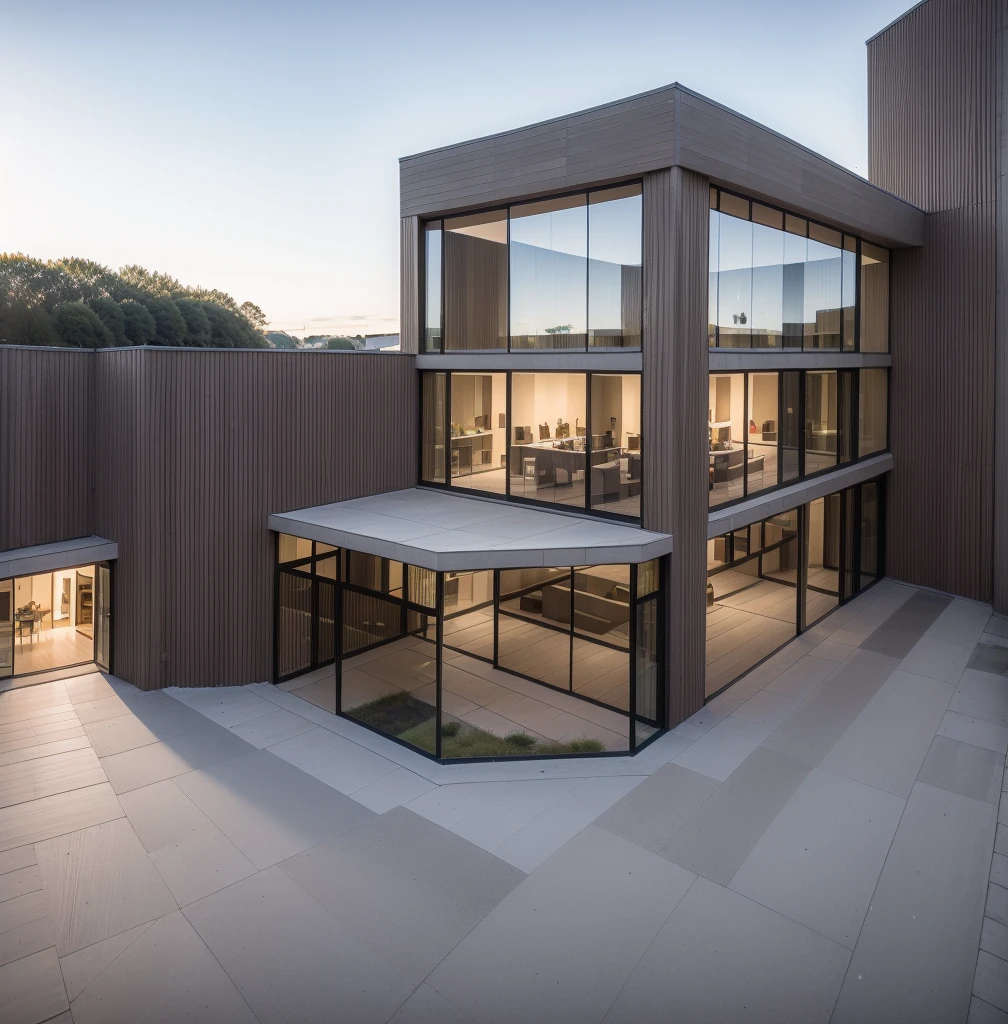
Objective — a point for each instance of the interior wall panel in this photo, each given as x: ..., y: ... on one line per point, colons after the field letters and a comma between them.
x: 46, y: 451
x: 674, y: 383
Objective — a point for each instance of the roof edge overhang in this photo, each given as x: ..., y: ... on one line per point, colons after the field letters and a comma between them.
x: 40, y: 558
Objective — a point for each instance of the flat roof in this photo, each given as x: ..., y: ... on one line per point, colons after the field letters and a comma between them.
x: 447, y: 531
x: 64, y: 554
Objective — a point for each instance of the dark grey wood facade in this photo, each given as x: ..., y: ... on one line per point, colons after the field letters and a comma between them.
x: 674, y: 400
x: 180, y: 455
x: 936, y: 136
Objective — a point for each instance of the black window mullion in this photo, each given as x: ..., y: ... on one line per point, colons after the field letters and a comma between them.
x: 588, y: 442
x: 634, y: 628
x: 745, y: 424
x: 570, y: 642
x: 438, y: 659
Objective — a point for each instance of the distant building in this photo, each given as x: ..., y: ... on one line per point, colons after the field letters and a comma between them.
x: 381, y: 342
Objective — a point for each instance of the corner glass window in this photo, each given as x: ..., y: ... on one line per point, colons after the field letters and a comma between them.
x: 873, y: 412
x: 479, y: 431
x: 549, y: 456
x: 874, y: 298
x: 614, y: 267
x: 616, y: 460
x: 476, y: 282
x: 549, y: 274
x: 432, y: 293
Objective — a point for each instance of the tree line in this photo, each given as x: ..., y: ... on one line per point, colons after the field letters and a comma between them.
x: 81, y: 304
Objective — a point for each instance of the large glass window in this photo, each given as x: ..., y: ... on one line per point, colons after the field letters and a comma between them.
x: 793, y: 303
x: 767, y: 277
x: 849, y: 289
x: 735, y: 255
x: 549, y: 255
x: 874, y: 298
x: 432, y: 441
x: 873, y: 411
x: 727, y: 433
x: 763, y: 438
x: 432, y: 289
x: 790, y: 425
x: 549, y: 447
x: 475, y: 262
x: 822, y: 592
x: 752, y: 578
x: 479, y: 431
x: 614, y: 267
x: 821, y: 419
x: 616, y: 460
x: 823, y: 288
x: 870, y: 554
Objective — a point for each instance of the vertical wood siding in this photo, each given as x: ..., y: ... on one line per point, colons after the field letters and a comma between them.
x: 1000, y: 587
x: 935, y: 132
x: 476, y: 292
x: 194, y: 450
x: 409, y: 285
x: 674, y: 398
x: 46, y: 450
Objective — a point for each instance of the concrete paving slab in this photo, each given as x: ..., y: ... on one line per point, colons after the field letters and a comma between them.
x: 982, y: 695
x: 721, y: 750
x: 963, y: 768
x: 32, y: 988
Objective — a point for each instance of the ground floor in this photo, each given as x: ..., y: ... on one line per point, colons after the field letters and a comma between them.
x: 819, y: 843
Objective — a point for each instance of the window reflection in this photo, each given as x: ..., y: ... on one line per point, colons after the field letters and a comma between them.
x: 548, y: 260
x: 616, y: 461
x: 735, y: 255
x: 614, y: 267
x: 549, y: 443
x: 432, y: 295
x: 767, y: 277
x: 762, y: 461
x: 476, y: 282
x: 849, y: 290
x: 822, y: 592
x: 712, y: 269
x: 823, y: 283
x: 874, y: 298
x: 432, y: 442
x: 479, y: 431
x: 873, y: 412
x: 820, y: 420
x: 793, y: 302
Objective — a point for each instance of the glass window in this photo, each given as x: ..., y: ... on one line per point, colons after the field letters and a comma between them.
x: 793, y: 302
x: 648, y: 669
x: 849, y: 290
x: 767, y: 277
x: 292, y: 549
x: 823, y: 285
x: 735, y: 255
x: 847, y: 382
x: 479, y: 431
x: 616, y: 460
x: 822, y: 592
x: 53, y: 619
x: 762, y: 460
x: 548, y: 447
x: 712, y: 273
x: 476, y: 282
x: 6, y: 628
x: 432, y: 294
x: 790, y: 425
x: 873, y: 412
x: 432, y: 401
x: 727, y: 432
x: 549, y: 274
x: 869, y: 532
x: 614, y: 267
x: 469, y: 613
x: 751, y: 597
x: 874, y: 298
x: 820, y: 420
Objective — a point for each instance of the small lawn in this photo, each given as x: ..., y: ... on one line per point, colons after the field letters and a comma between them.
x: 412, y: 721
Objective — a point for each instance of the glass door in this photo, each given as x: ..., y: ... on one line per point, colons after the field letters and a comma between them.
x: 102, y: 617
x: 6, y: 628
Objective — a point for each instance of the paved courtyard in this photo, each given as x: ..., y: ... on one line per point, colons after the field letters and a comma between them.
x: 821, y: 842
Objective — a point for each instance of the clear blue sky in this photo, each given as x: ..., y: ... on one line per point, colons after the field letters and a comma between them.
x: 253, y: 147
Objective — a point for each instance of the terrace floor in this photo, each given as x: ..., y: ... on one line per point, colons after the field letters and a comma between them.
x: 820, y: 843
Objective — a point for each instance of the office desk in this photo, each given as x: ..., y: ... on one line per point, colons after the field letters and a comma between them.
x: 473, y: 450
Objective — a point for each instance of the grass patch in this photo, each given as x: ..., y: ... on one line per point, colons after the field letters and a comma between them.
x: 413, y: 721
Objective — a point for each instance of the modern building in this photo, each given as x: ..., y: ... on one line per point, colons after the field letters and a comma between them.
x: 671, y: 388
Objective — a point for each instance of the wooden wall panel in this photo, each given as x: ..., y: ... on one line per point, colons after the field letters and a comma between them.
x: 476, y: 292
x: 46, y: 452
x: 936, y: 137
x: 1000, y: 572
x: 200, y: 447
x: 409, y: 285
x: 674, y: 383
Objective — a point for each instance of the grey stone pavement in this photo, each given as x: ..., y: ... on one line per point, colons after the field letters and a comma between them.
x: 824, y: 841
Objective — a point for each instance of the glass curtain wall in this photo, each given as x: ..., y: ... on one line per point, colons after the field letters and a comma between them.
x: 432, y: 287
x: 475, y: 664
x: 773, y: 579
x: 615, y: 298
x: 478, y: 427
x: 778, y: 281
x: 616, y: 460
x: 475, y: 268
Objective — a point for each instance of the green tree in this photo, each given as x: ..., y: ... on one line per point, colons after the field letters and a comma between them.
x: 254, y: 315
x: 22, y: 325
x: 111, y: 315
x: 139, y: 324
x: 197, y: 323
x: 342, y: 344
x: 171, y: 328
x: 80, y: 327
